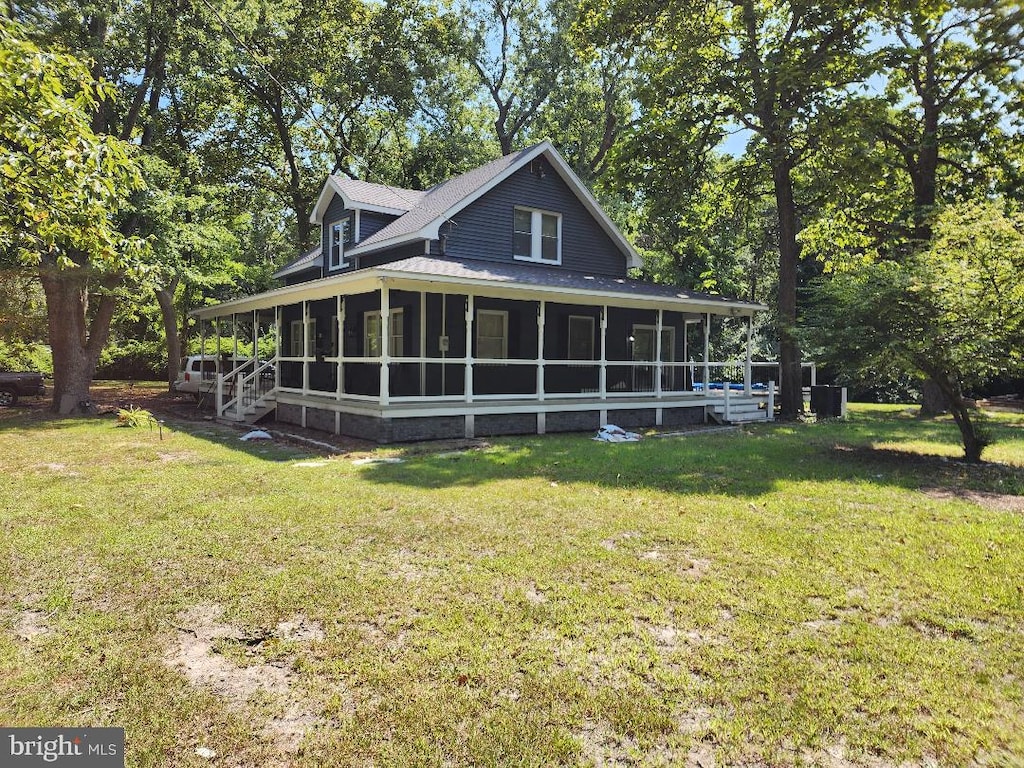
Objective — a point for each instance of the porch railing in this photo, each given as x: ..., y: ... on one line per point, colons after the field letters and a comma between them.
x: 245, y: 386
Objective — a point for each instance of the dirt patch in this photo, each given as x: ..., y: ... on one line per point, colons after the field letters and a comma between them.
x: 30, y: 625
x: 997, y: 502
x: 535, y: 595
x: 193, y: 652
x: 612, y: 542
x: 603, y: 747
x: 300, y: 629
x: 695, y: 568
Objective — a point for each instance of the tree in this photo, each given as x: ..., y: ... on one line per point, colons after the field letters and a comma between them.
x: 952, y: 313
x: 940, y: 130
x: 518, y: 52
x: 64, y: 186
x: 780, y: 71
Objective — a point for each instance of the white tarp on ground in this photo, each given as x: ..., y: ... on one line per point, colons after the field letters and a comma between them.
x: 256, y: 434
x: 610, y: 433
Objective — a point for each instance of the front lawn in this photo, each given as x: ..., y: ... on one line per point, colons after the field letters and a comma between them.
x: 838, y: 593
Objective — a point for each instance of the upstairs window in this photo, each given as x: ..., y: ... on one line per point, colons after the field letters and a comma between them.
x: 537, y: 236
x: 340, y: 239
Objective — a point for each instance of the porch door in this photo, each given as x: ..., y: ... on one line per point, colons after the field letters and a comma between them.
x: 645, y: 349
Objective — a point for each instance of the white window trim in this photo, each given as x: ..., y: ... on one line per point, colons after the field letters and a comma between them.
x: 296, y: 346
x: 340, y: 262
x: 369, y: 341
x: 295, y: 339
x: 503, y: 314
x: 589, y: 320
x: 536, y: 227
x: 396, y: 321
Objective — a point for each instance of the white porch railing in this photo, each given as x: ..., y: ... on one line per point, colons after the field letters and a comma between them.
x: 246, y: 387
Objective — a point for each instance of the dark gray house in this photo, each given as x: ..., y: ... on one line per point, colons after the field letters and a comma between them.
x: 497, y: 302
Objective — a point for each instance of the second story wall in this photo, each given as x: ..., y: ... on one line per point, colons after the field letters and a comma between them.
x: 485, y: 228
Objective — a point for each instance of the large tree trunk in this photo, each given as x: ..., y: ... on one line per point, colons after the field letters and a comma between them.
x: 165, y: 298
x: 933, y: 400
x: 792, y: 393
x: 75, y: 340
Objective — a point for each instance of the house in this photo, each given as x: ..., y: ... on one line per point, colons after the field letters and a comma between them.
x: 497, y: 302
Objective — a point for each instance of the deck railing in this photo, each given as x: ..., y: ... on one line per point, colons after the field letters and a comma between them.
x: 245, y: 386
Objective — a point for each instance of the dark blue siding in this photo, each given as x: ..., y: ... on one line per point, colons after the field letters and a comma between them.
x: 392, y: 254
x: 483, y: 230
x: 371, y: 223
x: 335, y: 212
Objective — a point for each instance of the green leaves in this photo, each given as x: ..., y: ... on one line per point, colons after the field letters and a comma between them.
x: 63, y: 184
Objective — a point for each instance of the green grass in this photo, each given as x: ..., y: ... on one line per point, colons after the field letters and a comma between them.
x: 763, y: 596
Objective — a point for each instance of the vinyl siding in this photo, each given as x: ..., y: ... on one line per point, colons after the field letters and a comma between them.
x: 483, y: 230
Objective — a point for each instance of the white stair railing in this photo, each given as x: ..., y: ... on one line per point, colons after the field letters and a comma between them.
x: 246, y: 389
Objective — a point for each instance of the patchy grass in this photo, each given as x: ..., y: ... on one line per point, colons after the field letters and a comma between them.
x: 835, y: 593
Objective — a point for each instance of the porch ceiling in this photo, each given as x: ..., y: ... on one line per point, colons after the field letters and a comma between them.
x: 525, y: 282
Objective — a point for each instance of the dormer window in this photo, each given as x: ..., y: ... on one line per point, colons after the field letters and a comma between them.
x: 340, y: 233
x: 537, y: 236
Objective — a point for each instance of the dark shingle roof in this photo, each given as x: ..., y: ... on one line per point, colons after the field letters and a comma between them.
x: 307, y: 260
x: 439, y: 199
x: 540, y: 276
x: 367, y: 193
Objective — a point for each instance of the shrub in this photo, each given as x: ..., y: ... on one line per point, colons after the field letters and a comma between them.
x: 25, y: 356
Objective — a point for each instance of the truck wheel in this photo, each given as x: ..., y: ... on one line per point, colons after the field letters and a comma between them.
x: 8, y: 397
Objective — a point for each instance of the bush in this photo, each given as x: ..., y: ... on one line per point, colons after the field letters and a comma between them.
x: 26, y: 356
x: 133, y: 361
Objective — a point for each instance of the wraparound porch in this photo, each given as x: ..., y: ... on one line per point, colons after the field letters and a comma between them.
x: 496, y: 358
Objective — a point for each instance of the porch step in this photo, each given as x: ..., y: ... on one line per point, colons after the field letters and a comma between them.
x: 742, y: 410
x: 254, y: 413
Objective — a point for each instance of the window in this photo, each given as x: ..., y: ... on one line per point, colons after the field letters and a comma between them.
x: 537, y: 236
x: 581, y: 337
x: 295, y: 347
x: 372, y: 335
x: 340, y: 233
x: 396, y: 330
x: 491, y: 334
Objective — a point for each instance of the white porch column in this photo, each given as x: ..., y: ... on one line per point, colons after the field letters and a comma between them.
x: 540, y: 349
x: 657, y: 354
x: 385, y: 343
x: 256, y: 338
x: 423, y: 342
x: 602, y: 386
x: 277, y: 345
x: 234, y: 339
x: 771, y: 401
x: 340, y: 319
x: 468, y: 389
x: 747, y: 369
x: 707, y: 351
x: 305, y: 347
x: 686, y: 357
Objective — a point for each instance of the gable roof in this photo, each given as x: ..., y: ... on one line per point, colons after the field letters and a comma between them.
x: 425, y: 212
